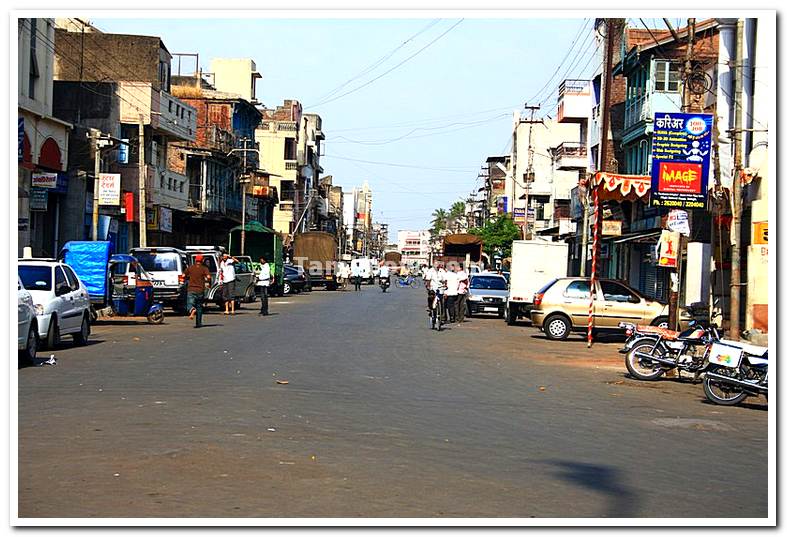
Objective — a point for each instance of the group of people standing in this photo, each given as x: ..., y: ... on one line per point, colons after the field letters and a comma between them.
x: 453, y: 285
x: 199, y: 282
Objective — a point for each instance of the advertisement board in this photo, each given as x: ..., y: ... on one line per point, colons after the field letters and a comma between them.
x: 519, y: 215
x: 44, y: 180
x: 39, y: 199
x: 678, y: 220
x: 612, y: 228
x: 668, y: 249
x: 109, y: 189
x: 165, y: 219
x: 680, y: 160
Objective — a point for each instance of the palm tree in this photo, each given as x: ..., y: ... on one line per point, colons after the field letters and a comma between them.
x: 439, y: 219
x: 457, y: 215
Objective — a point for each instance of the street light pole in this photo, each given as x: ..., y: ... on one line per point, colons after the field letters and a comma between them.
x: 143, y: 175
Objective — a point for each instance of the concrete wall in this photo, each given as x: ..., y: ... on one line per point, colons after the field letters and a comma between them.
x: 235, y: 75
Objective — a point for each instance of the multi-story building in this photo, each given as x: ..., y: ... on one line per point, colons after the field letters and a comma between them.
x: 414, y: 247
x: 43, y: 147
x: 358, y: 220
x: 136, y: 69
x: 278, y: 136
x: 225, y: 154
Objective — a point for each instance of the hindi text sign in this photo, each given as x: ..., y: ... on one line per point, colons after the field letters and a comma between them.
x: 109, y: 189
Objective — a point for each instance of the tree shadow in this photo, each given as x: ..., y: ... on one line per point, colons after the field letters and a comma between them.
x: 622, y: 501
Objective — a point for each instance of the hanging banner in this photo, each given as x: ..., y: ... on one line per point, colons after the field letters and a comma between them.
x: 678, y: 220
x: 109, y: 189
x: 44, y: 180
x: 39, y: 199
x: 681, y: 160
x: 668, y: 248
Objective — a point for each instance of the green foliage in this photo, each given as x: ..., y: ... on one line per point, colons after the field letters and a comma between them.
x: 498, y: 234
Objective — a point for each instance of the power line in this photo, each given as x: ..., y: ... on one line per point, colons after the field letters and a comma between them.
x: 379, y: 61
x: 389, y: 70
x: 427, y: 120
x: 398, y: 165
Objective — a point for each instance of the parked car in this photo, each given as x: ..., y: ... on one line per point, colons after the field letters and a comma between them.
x: 167, y: 266
x: 61, y: 300
x: 296, y: 280
x: 561, y: 306
x: 27, y: 334
x: 487, y: 293
x: 245, y: 278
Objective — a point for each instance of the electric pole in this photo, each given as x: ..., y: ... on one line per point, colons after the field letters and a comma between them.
x: 94, y: 138
x: 243, y: 180
x: 530, y: 174
x: 143, y: 176
x: 737, y: 191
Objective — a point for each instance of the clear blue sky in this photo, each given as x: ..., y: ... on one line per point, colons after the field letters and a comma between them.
x: 471, y: 79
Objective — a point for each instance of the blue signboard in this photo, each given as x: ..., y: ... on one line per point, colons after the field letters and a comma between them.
x: 681, y: 151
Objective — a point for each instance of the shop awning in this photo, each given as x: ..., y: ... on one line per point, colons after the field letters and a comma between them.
x: 613, y: 186
x: 638, y: 237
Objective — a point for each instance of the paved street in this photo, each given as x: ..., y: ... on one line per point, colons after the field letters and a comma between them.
x: 380, y: 417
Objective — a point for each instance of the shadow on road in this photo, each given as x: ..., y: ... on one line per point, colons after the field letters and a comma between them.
x: 622, y: 501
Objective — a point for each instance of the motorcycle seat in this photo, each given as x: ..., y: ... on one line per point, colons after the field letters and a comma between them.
x: 655, y: 330
x: 748, y: 348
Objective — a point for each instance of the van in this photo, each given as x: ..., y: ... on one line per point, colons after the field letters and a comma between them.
x: 167, y: 266
x: 245, y: 276
x: 364, y: 267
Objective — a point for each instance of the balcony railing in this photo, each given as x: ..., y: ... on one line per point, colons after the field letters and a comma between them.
x: 291, y: 165
x: 571, y: 150
x: 636, y: 110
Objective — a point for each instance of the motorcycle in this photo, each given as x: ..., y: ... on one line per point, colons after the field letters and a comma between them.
x: 651, y: 351
x: 736, y: 371
x: 385, y: 283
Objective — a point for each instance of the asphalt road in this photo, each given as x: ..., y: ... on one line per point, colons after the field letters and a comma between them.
x: 380, y: 417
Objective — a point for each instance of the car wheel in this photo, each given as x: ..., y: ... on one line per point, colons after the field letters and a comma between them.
x: 81, y: 337
x: 661, y: 322
x: 287, y: 289
x: 53, y: 335
x: 557, y: 327
x: 251, y: 295
x: 28, y: 354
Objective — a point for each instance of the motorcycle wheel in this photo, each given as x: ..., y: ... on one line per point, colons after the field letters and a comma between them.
x: 644, y: 369
x: 720, y: 393
x: 156, y: 317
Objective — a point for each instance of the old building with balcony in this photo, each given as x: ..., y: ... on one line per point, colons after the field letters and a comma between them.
x: 136, y: 72
x: 43, y: 146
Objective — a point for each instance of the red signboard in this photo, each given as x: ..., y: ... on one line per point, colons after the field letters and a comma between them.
x: 128, y: 203
x: 680, y: 177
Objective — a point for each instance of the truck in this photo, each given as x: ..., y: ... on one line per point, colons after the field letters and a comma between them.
x: 261, y: 241
x: 534, y: 263
x: 317, y: 253
x: 464, y: 248
x: 365, y: 267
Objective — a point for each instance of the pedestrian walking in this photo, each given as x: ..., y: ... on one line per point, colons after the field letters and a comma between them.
x: 356, y: 276
x: 227, y: 279
x: 461, y: 298
x: 264, y: 281
x: 198, y: 278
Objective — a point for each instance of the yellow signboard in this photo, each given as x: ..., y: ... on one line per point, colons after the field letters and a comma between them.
x: 760, y: 235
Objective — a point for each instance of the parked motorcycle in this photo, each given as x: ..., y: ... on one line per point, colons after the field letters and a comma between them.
x: 736, y: 370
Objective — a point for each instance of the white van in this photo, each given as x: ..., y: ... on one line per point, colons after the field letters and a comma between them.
x: 167, y: 266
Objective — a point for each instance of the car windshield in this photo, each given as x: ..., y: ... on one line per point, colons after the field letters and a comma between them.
x: 36, y: 278
x: 497, y: 283
x: 158, y: 261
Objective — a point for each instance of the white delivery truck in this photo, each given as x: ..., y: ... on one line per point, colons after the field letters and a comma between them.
x: 534, y: 263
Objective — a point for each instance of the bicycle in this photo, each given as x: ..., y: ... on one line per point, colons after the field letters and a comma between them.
x: 436, y: 312
x: 406, y: 281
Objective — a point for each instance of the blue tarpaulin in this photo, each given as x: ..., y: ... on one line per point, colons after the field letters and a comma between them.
x: 89, y: 261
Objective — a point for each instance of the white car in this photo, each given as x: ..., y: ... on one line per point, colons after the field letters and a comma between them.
x: 61, y: 300
x: 27, y: 336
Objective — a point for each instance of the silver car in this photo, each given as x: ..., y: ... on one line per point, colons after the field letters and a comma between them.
x: 488, y: 293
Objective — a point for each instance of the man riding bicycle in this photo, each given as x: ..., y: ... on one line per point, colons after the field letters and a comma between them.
x: 435, y: 281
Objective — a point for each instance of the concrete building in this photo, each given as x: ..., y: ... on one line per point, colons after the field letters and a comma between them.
x: 278, y: 136
x: 237, y: 76
x: 315, y: 211
x: 414, y: 247
x: 139, y: 68
x: 358, y: 220
x: 43, y: 145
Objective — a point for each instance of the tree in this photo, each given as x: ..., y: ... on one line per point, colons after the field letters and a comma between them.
x: 439, y: 220
x: 498, y: 234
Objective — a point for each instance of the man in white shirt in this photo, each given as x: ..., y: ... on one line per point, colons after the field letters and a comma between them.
x: 263, y: 282
x: 356, y: 276
x: 227, y: 279
x: 451, y: 292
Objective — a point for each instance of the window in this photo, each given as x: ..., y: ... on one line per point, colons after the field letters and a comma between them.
x: 667, y: 76
x: 33, y: 59
x: 289, y: 149
x: 60, y: 278
x: 578, y: 289
x: 615, y: 292
x: 73, y: 281
x: 287, y: 190
x: 170, y: 107
x: 35, y: 278
x: 488, y: 282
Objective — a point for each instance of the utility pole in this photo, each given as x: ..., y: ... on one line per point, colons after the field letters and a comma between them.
x: 94, y: 137
x: 529, y: 175
x: 243, y: 180
x: 737, y: 191
x: 143, y: 176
